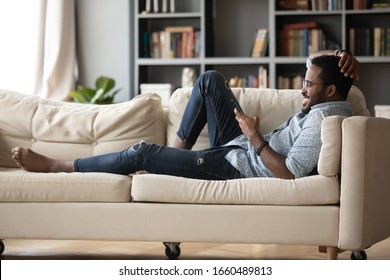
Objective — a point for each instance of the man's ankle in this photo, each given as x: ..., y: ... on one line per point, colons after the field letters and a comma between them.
x: 182, y: 144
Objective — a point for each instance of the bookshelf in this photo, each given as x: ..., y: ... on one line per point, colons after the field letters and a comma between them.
x: 226, y: 29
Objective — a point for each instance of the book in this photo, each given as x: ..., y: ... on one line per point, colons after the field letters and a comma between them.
x: 168, y: 7
x: 290, y: 81
x: 297, y: 38
x: 172, y: 6
x: 369, y: 41
x: 300, y: 25
x: 358, y: 4
x: 262, y: 77
x: 173, y: 42
x: 352, y: 41
x: 164, y: 6
x: 383, y: 41
x: 178, y: 29
x: 155, y: 6
x: 326, y: 5
x: 146, y: 44
x: 380, y: 5
x: 148, y: 6
x: 180, y: 40
x: 251, y: 81
x: 260, y: 43
x: 315, y: 40
x: 387, y: 42
x: 362, y: 41
x: 377, y: 41
x: 155, y: 45
x: 301, y: 38
x: 293, y: 4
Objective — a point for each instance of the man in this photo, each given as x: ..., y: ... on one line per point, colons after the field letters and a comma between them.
x: 237, y: 148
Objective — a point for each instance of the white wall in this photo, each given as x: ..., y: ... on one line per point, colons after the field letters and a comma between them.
x: 104, y: 43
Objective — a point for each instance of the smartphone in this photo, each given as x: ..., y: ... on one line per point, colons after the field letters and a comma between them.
x: 236, y: 105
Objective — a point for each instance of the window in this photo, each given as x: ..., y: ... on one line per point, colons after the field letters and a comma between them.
x: 37, y: 47
x: 17, y: 45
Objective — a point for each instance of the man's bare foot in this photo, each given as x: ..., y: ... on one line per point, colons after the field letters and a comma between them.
x: 34, y: 162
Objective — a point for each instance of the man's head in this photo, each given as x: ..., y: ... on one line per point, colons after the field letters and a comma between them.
x: 324, y: 82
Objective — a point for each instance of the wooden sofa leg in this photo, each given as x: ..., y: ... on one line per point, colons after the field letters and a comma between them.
x: 331, y: 252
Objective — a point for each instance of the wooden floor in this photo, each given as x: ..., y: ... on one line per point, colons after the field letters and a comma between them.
x: 103, y: 250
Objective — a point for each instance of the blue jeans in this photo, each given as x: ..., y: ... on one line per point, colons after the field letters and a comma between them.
x: 211, y: 102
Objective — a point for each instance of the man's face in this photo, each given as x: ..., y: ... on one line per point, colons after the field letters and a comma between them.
x: 313, y: 90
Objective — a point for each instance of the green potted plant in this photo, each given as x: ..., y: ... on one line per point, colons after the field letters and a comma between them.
x: 103, y: 92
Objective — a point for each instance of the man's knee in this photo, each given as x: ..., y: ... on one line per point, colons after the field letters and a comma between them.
x: 212, y: 75
x: 137, y: 147
x: 212, y: 79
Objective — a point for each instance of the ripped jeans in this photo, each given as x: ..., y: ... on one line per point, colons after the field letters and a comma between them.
x: 157, y: 159
x: 211, y: 102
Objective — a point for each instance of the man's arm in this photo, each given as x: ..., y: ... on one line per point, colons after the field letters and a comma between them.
x: 274, y: 161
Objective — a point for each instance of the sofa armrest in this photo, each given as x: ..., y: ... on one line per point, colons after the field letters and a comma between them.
x: 365, y: 179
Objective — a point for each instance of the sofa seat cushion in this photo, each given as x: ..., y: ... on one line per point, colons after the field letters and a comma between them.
x: 313, y: 190
x: 17, y: 185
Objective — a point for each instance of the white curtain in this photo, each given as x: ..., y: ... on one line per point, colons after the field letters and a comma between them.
x: 37, y: 47
x: 55, y: 48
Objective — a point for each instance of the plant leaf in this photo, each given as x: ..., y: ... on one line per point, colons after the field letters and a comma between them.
x: 87, y: 92
x: 105, y: 83
x: 99, y: 96
x: 79, y: 97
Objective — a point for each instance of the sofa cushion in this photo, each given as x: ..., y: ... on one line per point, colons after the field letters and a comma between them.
x: 69, y: 130
x: 313, y: 190
x: 329, y: 162
x: 17, y: 185
x: 358, y: 102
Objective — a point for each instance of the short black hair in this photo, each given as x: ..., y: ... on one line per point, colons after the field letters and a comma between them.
x: 331, y: 74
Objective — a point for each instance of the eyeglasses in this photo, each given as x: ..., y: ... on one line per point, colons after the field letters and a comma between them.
x: 307, y: 84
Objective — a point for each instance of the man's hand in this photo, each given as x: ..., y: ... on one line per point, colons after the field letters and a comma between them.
x: 249, y: 127
x: 349, y: 65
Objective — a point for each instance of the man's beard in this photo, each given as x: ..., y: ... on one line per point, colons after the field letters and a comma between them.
x: 306, y: 110
x: 312, y: 101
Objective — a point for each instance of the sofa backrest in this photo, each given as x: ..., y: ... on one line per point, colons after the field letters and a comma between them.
x: 69, y: 130
x: 271, y: 105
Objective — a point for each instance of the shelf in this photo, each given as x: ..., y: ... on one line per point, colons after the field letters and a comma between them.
x: 373, y: 59
x: 169, y: 61
x: 335, y: 12
x: 368, y: 11
x: 361, y: 59
x: 237, y: 60
x: 289, y: 59
x: 226, y: 38
x: 305, y: 13
x: 169, y: 15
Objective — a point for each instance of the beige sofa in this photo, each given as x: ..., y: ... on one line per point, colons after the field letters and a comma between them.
x: 345, y: 207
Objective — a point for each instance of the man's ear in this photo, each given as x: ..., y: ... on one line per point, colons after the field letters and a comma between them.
x: 331, y: 91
